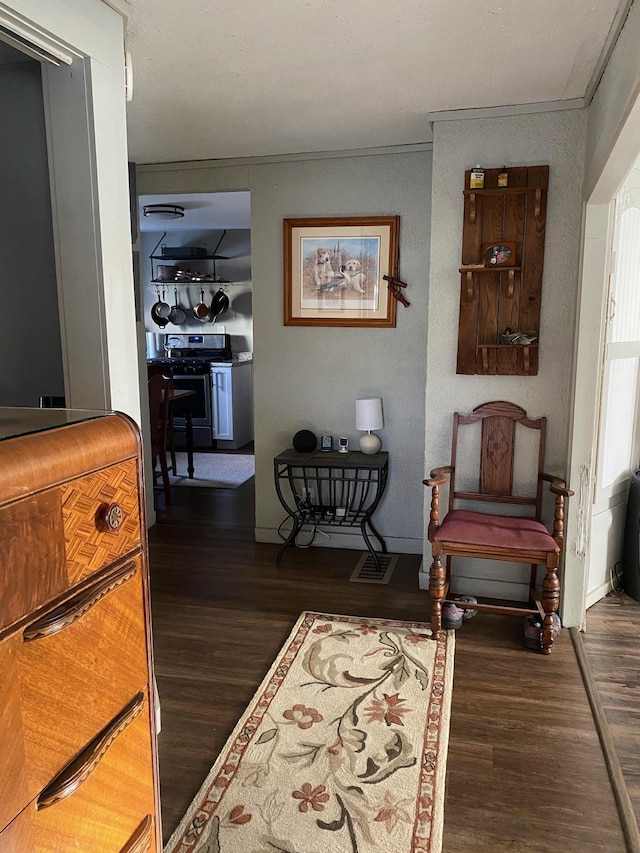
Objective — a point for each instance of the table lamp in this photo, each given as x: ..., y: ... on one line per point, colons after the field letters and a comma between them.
x: 369, y: 417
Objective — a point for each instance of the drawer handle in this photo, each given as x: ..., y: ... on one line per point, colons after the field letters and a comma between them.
x: 110, y: 517
x: 141, y: 839
x: 78, y: 771
x: 76, y: 607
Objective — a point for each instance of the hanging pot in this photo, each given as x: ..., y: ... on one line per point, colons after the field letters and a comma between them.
x: 201, y: 311
x: 160, y: 311
x: 219, y: 305
x: 177, y: 315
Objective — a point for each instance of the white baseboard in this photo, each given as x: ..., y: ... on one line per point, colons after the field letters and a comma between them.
x: 342, y: 539
x: 596, y: 594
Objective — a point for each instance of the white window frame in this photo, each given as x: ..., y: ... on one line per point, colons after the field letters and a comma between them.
x: 614, y: 351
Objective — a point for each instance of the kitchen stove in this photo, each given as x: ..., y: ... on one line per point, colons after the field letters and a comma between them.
x: 191, y: 355
x: 188, y: 361
x: 191, y: 365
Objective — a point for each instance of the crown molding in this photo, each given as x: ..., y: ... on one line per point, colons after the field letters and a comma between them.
x: 613, y: 35
x: 506, y: 110
x: 181, y: 165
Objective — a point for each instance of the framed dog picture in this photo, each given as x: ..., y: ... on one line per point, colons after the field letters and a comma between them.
x: 334, y: 268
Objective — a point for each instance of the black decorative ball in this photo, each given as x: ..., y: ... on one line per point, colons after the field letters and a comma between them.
x: 305, y: 441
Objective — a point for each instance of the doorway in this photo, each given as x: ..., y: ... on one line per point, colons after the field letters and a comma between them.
x: 618, y: 438
x: 605, y: 410
x: 32, y: 348
x: 195, y: 261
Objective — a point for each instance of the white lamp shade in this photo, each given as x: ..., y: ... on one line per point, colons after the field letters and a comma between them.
x: 369, y: 414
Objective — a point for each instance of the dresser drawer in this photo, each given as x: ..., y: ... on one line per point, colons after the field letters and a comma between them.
x: 94, y: 536
x: 114, y: 795
x: 32, y: 555
x: 14, y: 791
x: 102, y: 802
x: 78, y: 665
x: 18, y: 836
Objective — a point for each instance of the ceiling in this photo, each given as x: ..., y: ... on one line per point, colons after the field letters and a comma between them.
x: 202, y: 212
x: 241, y: 78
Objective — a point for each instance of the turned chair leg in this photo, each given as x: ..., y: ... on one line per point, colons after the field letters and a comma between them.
x: 550, y: 601
x: 437, y: 578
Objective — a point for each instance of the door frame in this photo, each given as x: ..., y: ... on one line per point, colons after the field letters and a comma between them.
x: 87, y: 146
x: 588, y: 349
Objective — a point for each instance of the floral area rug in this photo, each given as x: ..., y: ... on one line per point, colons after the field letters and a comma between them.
x: 342, y: 750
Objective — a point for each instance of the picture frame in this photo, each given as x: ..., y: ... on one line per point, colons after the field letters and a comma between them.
x: 334, y: 270
x: 501, y: 253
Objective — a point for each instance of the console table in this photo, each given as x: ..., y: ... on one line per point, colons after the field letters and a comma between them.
x: 331, y: 489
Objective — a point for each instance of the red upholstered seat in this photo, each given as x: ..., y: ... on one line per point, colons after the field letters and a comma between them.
x: 477, y: 528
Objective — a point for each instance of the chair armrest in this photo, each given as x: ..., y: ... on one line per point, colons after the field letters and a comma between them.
x: 557, y: 486
x: 438, y: 476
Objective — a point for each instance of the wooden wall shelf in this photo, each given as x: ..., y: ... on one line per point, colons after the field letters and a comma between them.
x: 473, y: 268
x: 493, y: 299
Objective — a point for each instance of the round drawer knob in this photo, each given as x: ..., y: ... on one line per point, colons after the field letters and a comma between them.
x: 112, y: 516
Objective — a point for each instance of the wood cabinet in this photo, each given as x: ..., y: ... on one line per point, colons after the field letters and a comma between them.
x: 504, y: 297
x: 78, y: 764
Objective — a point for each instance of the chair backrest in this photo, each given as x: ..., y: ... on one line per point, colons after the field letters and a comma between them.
x: 499, y: 420
x: 159, y: 402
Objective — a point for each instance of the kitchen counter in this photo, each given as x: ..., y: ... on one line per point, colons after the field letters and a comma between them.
x: 238, y: 358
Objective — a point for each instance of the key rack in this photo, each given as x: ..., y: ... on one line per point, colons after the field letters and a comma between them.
x: 508, y: 296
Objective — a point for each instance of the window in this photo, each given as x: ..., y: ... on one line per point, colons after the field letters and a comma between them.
x: 619, y: 422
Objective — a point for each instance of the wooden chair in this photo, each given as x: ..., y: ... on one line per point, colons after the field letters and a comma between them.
x: 159, y: 402
x: 519, y: 539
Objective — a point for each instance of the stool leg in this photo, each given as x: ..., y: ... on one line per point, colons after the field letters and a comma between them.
x: 437, y: 580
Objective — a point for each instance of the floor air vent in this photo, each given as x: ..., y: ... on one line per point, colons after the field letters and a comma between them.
x: 367, y: 572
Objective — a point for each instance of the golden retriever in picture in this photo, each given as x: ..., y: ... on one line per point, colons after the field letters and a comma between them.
x: 357, y: 278
x: 322, y: 270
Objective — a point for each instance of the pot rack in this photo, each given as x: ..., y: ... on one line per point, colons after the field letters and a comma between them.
x: 214, y: 256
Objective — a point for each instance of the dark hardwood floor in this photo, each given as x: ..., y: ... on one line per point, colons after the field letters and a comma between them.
x: 612, y: 642
x: 525, y: 769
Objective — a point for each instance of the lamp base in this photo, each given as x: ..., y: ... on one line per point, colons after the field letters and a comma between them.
x: 370, y: 443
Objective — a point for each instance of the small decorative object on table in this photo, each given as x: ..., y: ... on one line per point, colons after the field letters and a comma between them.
x: 369, y: 417
x: 304, y: 441
x: 326, y: 442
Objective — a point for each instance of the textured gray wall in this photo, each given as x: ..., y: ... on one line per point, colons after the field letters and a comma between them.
x: 557, y: 139
x: 311, y: 377
x: 31, y: 351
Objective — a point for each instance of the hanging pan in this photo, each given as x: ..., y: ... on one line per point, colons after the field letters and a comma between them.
x: 219, y: 304
x: 160, y: 311
x: 201, y: 311
x: 177, y: 315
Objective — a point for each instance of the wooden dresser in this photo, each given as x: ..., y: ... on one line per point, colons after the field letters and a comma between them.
x: 78, y: 761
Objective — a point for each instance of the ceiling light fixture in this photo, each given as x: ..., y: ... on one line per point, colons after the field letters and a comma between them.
x: 163, y: 211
